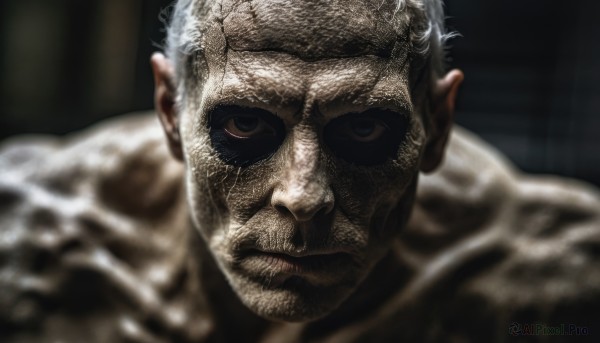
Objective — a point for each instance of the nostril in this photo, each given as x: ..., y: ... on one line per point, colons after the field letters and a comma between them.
x: 323, y: 211
x: 302, y: 205
x: 283, y: 210
x: 303, y: 214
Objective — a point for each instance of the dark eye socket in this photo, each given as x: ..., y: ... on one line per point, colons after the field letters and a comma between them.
x: 247, y: 126
x: 242, y: 136
x: 368, y: 138
x: 362, y: 129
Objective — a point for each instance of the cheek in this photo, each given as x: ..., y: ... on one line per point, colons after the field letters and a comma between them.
x: 223, y: 197
x: 364, y: 195
x: 381, y: 197
x: 208, y: 210
x: 215, y: 190
x: 247, y: 190
x: 203, y: 179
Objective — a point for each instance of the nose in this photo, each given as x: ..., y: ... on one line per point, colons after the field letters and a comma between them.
x: 304, y: 191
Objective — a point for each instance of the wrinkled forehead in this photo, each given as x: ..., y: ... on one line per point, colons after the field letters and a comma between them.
x: 311, y: 29
x: 320, y: 52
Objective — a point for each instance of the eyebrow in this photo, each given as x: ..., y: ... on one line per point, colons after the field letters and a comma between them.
x: 280, y: 84
x: 265, y: 98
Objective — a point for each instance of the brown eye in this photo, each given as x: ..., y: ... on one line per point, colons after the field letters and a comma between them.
x: 368, y: 138
x: 364, y: 129
x: 242, y: 136
x: 247, y: 127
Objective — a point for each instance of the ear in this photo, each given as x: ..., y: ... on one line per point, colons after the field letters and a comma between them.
x: 443, y: 99
x: 164, y: 101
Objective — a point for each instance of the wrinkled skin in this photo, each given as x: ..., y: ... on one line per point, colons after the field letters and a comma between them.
x: 96, y: 247
x: 335, y: 217
x: 107, y: 238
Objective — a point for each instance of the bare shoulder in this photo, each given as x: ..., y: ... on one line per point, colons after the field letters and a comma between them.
x: 93, y: 224
x: 477, y: 187
x: 107, y: 149
x: 471, y: 191
x: 496, y: 247
x: 120, y: 166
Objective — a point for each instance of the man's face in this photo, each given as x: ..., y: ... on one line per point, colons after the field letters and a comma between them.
x: 302, y: 149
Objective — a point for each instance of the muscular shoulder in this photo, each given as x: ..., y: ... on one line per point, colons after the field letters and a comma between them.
x: 97, y: 158
x: 494, y: 246
x: 119, y: 170
x: 91, y: 223
x: 476, y: 189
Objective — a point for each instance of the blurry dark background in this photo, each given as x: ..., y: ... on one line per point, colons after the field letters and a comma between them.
x: 532, y: 72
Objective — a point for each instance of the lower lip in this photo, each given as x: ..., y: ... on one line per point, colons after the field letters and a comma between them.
x: 286, y: 264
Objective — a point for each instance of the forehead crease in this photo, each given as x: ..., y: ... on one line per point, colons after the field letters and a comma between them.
x: 333, y: 85
x: 311, y: 29
x: 264, y: 76
x: 357, y: 86
x: 346, y: 79
x: 295, y: 74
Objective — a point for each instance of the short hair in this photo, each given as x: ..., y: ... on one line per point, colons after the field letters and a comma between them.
x: 428, y: 34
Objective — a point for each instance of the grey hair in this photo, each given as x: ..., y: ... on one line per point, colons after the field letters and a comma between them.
x: 431, y: 37
x: 426, y: 17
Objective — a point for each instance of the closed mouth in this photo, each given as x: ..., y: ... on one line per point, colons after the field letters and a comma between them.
x: 292, y: 264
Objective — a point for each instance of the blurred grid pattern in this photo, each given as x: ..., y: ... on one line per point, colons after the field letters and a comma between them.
x: 532, y: 72
x: 532, y: 84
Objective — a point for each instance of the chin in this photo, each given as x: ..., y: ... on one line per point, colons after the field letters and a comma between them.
x: 293, y: 300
